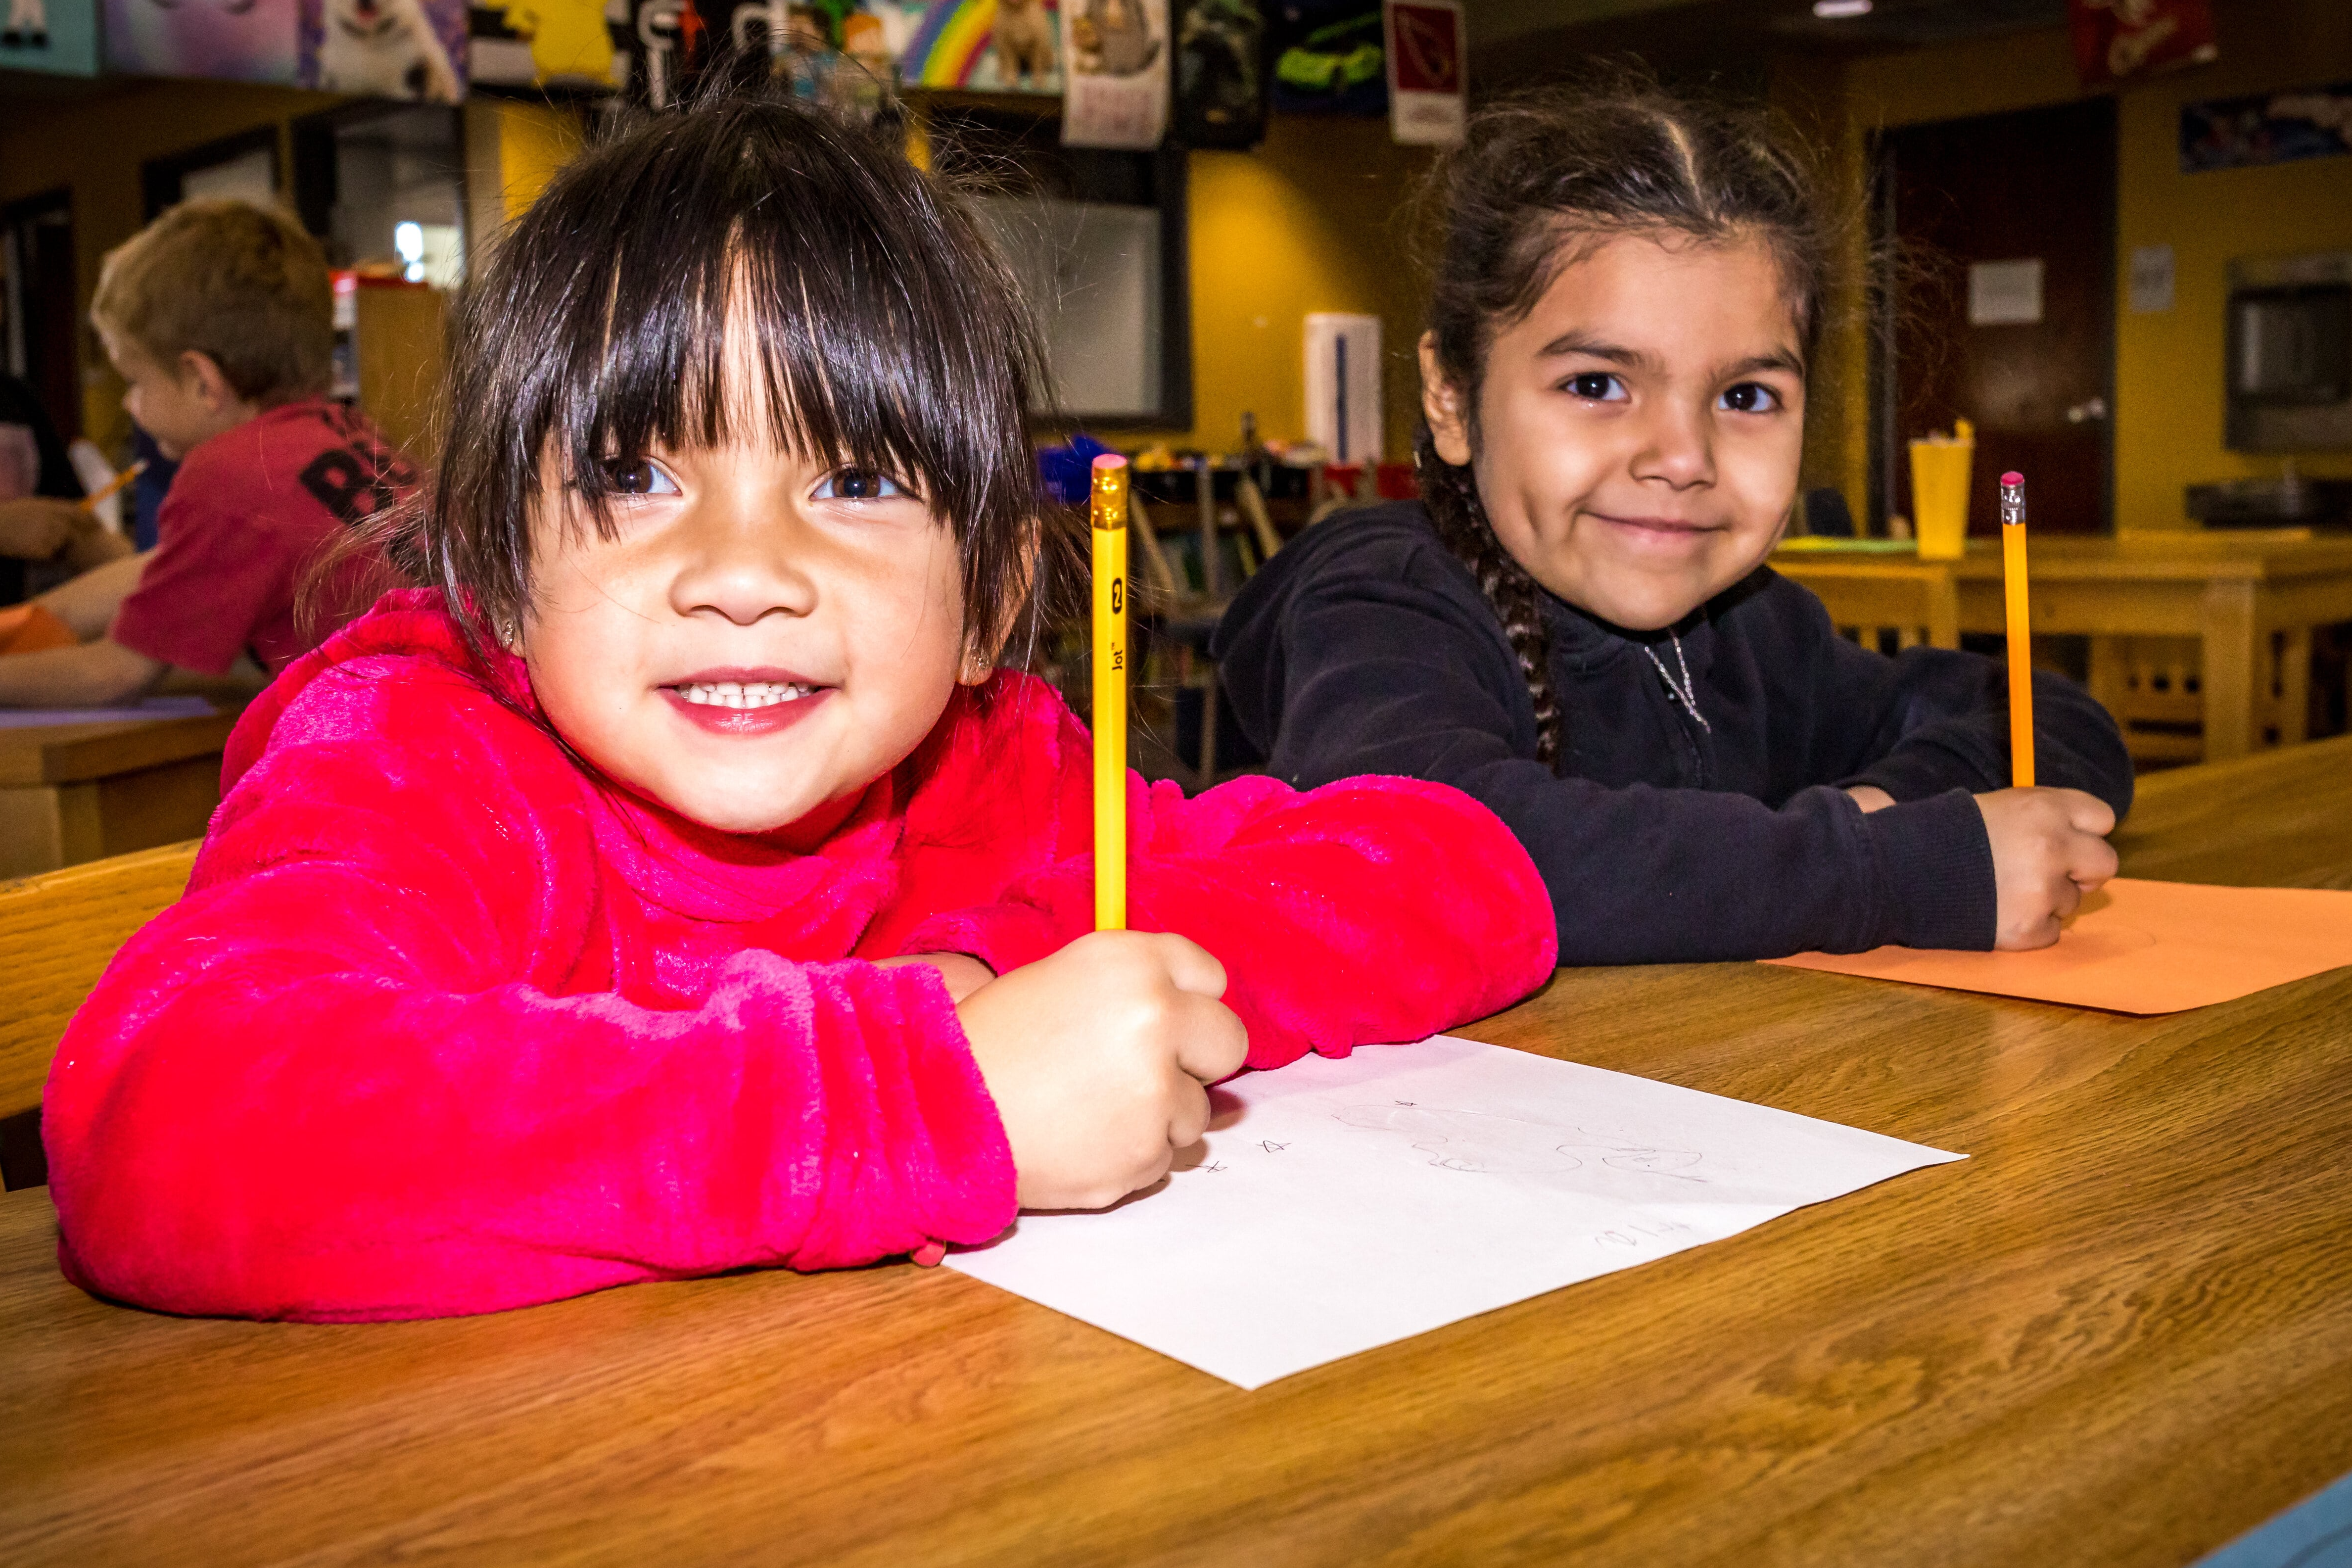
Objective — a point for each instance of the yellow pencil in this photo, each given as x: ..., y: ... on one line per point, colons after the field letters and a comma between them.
x: 90, y: 503
x: 1110, y: 534
x: 2020, y: 631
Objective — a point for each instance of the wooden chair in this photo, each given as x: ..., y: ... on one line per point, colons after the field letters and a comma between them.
x: 2154, y: 687
x: 1915, y: 600
x: 57, y: 933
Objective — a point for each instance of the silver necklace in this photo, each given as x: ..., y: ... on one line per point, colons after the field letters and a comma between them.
x: 1686, y: 694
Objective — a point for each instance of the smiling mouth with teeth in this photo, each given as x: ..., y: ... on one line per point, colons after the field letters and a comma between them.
x: 742, y: 694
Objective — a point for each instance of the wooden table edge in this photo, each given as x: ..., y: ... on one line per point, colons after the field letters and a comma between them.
x: 73, y: 753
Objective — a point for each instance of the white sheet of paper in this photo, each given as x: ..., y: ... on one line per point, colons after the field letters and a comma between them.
x: 153, y: 708
x: 1355, y: 1203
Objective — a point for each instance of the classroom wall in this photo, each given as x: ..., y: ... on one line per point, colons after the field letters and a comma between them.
x: 95, y: 146
x: 1312, y: 220
x: 513, y: 150
x: 2168, y: 365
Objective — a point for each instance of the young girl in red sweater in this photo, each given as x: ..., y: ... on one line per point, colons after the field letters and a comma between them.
x: 674, y: 885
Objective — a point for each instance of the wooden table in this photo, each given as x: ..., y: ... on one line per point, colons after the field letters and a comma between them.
x: 71, y: 793
x: 2119, y: 1333
x: 2229, y: 589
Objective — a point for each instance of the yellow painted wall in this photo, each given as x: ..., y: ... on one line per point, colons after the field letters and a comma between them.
x: 2169, y: 366
x: 513, y: 150
x: 1312, y: 220
x: 95, y: 146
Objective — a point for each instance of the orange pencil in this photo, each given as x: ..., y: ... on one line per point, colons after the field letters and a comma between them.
x: 90, y: 503
x: 2020, y: 631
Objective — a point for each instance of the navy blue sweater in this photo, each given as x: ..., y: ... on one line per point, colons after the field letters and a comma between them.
x: 1366, y: 647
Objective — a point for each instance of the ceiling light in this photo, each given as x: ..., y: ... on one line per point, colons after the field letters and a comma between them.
x: 1839, y: 10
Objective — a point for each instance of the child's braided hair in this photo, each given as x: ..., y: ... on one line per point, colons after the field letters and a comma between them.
x: 1540, y: 180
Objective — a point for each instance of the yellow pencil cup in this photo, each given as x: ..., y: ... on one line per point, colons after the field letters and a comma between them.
x: 1939, y: 496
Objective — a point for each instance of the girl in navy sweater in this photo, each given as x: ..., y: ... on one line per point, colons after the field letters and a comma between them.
x: 1576, y: 625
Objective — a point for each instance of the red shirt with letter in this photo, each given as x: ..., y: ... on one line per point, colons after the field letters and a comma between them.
x: 251, y: 510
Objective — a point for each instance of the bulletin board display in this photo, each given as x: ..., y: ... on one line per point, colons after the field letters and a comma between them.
x: 412, y: 49
x: 59, y: 36
x: 259, y: 42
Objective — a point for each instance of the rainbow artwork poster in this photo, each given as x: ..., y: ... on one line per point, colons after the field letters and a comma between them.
x: 983, y: 46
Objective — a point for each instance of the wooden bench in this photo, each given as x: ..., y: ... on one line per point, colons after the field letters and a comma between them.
x: 58, y: 931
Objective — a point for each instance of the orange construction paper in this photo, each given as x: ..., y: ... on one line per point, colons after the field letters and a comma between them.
x: 29, y: 628
x: 2141, y: 947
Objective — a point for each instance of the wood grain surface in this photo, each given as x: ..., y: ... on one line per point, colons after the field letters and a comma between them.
x: 57, y: 933
x: 2119, y: 1333
x: 69, y: 753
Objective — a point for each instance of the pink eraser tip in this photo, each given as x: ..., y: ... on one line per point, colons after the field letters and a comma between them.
x: 929, y: 1255
x: 2011, y: 477
x: 1110, y: 461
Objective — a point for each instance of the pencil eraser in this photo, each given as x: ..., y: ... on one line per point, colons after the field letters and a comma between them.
x: 929, y: 1255
x: 1110, y: 461
x: 2011, y: 477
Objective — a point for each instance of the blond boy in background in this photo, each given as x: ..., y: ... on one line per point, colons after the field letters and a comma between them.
x: 219, y: 315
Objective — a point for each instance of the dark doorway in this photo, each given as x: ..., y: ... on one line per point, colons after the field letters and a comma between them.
x: 1975, y: 204
x: 37, y: 252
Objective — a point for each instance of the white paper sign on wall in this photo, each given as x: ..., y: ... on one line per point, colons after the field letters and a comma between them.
x: 2005, y: 293
x: 1343, y: 385
x: 2151, y: 279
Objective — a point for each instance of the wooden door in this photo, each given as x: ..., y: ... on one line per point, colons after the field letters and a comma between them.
x: 1962, y: 198
x: 44, y: 324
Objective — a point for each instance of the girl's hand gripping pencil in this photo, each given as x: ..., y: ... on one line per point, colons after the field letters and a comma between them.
x: 1109, y: 535
x: 2020, y: 631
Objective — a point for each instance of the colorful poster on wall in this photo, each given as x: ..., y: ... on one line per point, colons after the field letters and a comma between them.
x: 1429, y: 90
x: 559, y: 47
x: 1115, y: 92
x: 1219, y: 73
x: 389, y: 49
x: 258, y: 40
x: 59, y: 36
x: 829, y: 52
x: 2124, y: 40
x: 2267, y: 128
x: 980, y: 45
x: 1328, y: 58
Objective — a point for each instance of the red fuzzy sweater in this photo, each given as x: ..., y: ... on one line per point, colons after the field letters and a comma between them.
x: 445, y: 1024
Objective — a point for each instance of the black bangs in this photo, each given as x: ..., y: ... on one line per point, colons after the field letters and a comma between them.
x: 888, y: 334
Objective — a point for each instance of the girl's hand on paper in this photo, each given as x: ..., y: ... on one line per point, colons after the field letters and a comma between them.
x: 1100, y: 1058
x: 2049, y: 849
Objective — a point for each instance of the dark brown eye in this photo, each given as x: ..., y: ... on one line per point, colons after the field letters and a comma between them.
x: 636, y: 477
x: 859, y: 484
x: 1751, y: 397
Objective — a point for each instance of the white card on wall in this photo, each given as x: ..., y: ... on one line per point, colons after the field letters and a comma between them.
x: 2005, y: 293
x: 2151, y: 279
x: 1343, y: 385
